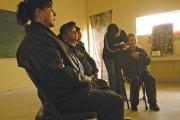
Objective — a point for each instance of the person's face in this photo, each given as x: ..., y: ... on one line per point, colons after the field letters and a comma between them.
x: 132, y: 41
x: 71, y: 35
x: 117, y: 34
x: 48, y: 16
x: 79, y: 36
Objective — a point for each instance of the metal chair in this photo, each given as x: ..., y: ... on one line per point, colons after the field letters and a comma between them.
x: 49, y: 112
x: 125, y: 79
x: 125, y: 93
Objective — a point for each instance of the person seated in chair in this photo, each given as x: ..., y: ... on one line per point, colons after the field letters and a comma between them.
x: 135, y: 63
x: 88, y: 63
x: 69, y: 36
x: 57, y: 68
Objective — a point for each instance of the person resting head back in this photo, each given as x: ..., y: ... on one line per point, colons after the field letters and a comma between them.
x: 68, y: 33
x: 78, y: 30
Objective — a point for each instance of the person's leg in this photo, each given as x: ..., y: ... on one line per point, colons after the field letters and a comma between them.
x: 119, y: 78
x: 110, y: 67
x: 108, y: 104
x: 134, y: 91
x: 150, y: 85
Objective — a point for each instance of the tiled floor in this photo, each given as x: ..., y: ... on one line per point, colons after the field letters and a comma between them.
x: 24, y: 104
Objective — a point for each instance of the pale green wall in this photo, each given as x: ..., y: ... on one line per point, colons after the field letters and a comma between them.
x: 12, y: 77
x: 124, y: 15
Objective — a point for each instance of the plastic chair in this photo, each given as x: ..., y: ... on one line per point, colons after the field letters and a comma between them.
x: 49, y: 112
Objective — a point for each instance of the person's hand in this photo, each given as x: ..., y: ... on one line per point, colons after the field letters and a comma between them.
x: 135, y: 55
x: 93, y: 80
x: 123, y: 46
x: 96, y: 75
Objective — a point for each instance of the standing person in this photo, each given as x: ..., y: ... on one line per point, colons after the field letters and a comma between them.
x: 58, y: 70
x: 135, y: 62
x: 114, y: 40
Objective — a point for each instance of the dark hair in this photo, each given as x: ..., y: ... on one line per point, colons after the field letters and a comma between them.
x: 112, y: 29
x: 26, y: 9
x: 65, y: 27
x: 131, y: 35
x: 78, y: 29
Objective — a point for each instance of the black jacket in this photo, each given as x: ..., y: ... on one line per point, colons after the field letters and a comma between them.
x: 112, y: 45
x: 87, y: 61
x: 58, y: 69
x: 131, y: 65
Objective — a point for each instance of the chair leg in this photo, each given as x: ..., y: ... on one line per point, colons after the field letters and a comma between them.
x: 125, y: 96
x: 144, y: 96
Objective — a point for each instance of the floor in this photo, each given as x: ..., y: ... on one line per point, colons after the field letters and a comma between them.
x: 23, y: 104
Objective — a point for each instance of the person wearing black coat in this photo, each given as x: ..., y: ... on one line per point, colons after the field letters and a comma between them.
x: 135, y: 63
x: 88, y: 63
x: 57, y: 68
x: 114, y: 41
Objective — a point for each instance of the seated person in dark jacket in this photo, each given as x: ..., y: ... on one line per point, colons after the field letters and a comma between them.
x: 57, y: 68
x: 88, y: 63
x: 69, y: 36
x: 135, y: 62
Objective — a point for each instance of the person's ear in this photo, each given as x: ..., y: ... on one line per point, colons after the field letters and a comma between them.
x: 63, y: 36
x: 39, y: 14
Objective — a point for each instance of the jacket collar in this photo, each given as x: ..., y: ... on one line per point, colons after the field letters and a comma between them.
x: 36, y: 26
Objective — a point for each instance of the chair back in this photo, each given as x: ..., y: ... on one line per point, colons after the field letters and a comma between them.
x: 48, y: 106
x: 45, y: 100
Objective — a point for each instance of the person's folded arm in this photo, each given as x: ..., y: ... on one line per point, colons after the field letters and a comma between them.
x: 145, y: 59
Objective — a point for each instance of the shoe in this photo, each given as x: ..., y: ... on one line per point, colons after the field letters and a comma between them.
x: 154, y: 107
x: 134, y: 108
x: 127, y: 118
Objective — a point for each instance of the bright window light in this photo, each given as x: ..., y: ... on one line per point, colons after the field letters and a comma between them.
x: 145, y: 24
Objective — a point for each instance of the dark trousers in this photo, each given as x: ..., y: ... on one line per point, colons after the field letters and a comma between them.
x: 113, y: 68
x: 107, y: 104
x: 150, y: 85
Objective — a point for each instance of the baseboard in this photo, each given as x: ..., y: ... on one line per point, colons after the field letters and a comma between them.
x: 12, y: 91
x: 169, y: 81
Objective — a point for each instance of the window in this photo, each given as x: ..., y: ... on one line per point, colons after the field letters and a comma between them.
x: 144, y: 24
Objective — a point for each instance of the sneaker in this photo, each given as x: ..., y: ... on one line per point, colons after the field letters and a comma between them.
x: 134, y: 108
x: 154, y: 107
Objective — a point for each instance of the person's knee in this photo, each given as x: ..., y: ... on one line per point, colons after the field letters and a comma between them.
x: 150, y: 78
x: 117, y: 101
